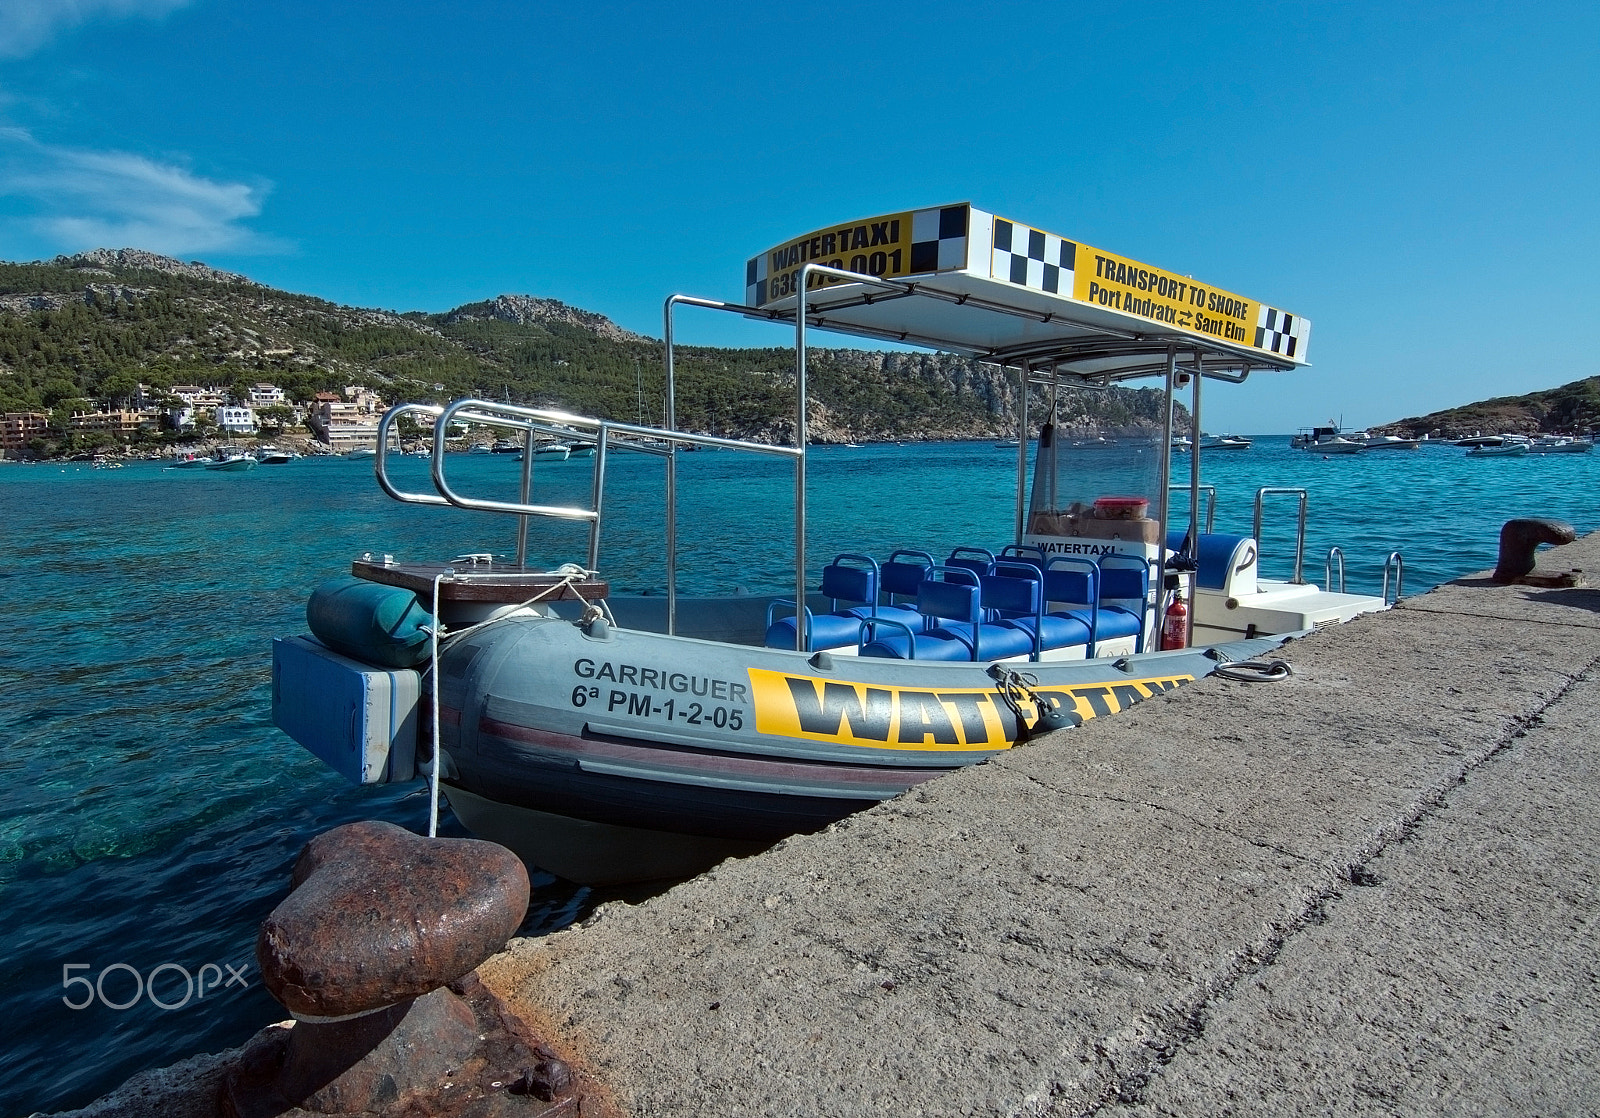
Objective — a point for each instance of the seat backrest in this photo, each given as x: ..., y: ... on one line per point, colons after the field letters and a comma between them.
x: 1125, y: 578
x: 1072, y: 580
x: 851, y: 584
x: 1226, y: 563
x: 1023, y: 553
x: 898, y: 577
x: 951, y: 593
x: 979, y: 560
x: 1014, y: 590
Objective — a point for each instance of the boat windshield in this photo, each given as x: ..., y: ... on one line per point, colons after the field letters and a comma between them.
x: 1100, y: 488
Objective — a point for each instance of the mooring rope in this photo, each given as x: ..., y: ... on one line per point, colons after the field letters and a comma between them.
x: 570, y: 573
x: 1016, y: 687
x: 1254, y: 671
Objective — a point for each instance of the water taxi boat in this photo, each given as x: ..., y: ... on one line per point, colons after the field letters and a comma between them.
x: 611, y: 738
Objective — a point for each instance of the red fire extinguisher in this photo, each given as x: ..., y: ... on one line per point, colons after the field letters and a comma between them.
x: 1175, y: 625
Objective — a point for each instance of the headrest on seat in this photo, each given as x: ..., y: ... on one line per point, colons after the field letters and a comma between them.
x: 849, y: 584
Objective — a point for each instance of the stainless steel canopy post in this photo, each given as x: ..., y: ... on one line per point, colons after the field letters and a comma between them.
x: 1194, y: 489
x: 801, y: 435
x: 1164, y: 515
x: 1054, y: 479
x: 798, y: 452
x: 597, y: 494
x: 525, y: 492
x: 1022, y: 450
x: 1194, y: 452
x: 669, y: 413
x: 802, y: 635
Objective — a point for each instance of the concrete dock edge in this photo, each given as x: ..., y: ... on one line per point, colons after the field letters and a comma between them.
x: 1371, y: 888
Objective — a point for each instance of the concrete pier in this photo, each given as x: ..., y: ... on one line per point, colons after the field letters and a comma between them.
x: 1371, y: 888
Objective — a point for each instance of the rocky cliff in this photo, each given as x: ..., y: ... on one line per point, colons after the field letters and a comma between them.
x: 1569, y: 409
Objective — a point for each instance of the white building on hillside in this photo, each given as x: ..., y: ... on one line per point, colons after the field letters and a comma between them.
x: 238, y: 420
x: 197, y: 397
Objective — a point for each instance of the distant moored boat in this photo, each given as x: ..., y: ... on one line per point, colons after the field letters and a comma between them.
x: 233, y: 463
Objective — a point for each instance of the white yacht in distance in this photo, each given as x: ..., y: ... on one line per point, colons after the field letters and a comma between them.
x: 1560, y: 444
x: 1387, y: 442
x: 1327, y: 440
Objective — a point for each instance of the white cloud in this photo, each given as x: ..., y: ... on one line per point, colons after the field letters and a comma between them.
x: 73, y: 200
x: 26, y: 25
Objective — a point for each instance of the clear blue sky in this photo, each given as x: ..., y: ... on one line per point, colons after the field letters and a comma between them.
x: 1420, y: 180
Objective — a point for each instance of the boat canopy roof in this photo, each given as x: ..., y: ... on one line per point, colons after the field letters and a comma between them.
x: 958, y: 279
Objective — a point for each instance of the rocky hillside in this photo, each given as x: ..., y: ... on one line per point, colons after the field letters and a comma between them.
x: 93, y: 327
x: 1572, y: 408
x: 526, y: 310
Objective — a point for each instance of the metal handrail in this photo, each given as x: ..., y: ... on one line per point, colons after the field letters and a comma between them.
x: 1398, y: 563
x: 1211, y: 502
x: 1300, y: 534
x: 1327, y: 568
x: 529, y: 421
x: 380, y: 464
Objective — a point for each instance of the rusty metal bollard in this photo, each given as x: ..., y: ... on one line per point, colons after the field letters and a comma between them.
x: 373, y: 952
x: 1519, y: 539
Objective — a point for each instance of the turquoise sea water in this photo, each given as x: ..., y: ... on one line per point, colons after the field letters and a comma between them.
x: 150, y: 813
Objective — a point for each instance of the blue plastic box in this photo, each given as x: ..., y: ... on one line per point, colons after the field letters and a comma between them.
x: 358, y: 719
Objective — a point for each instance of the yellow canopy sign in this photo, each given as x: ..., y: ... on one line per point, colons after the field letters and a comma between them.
x: 970, y: 245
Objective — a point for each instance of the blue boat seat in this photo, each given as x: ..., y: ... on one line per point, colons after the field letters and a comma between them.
x: 1224, y: 561
x: 889, y: 640
x: 1023, y: 553
x: 841, y: 582
x: 1085, y: 592
x: 953, y: 596
x: 1015, y: 593
x: 1124, y: 596
x: 902, y: 579
x: 1001, y: 595
x: 1055, y: 630
x: 826, y: 630
x: 900, y: 576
